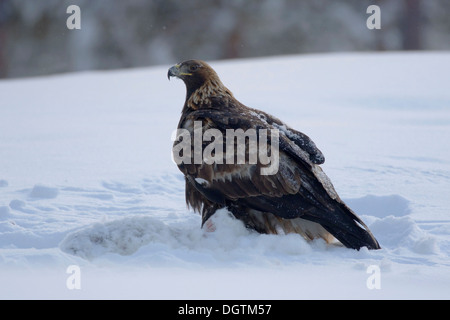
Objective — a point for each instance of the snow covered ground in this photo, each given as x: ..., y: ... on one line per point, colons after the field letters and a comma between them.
x: 86, y: 180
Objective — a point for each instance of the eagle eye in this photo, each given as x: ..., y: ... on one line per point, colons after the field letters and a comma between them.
x: 193, y: 67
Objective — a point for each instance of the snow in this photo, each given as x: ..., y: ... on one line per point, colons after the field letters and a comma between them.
x: 86, y: 179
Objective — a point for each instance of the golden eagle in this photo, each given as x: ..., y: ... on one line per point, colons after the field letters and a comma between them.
x: 295, y: 197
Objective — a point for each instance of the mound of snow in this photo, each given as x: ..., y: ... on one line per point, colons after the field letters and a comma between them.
x: 398, y: 233
x: 230, y: 241
x: 17, y: 204
x: 44, y: 192
x: 123, y: 236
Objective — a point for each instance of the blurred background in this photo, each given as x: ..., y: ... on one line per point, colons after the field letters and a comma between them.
x: 34, y: 38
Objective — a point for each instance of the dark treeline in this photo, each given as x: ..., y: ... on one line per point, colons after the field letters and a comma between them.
x: 35, y: 40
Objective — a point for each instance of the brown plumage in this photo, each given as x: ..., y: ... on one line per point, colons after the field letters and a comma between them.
x: 297, y: 198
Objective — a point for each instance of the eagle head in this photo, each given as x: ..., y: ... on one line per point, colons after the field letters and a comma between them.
x: 194, y: 73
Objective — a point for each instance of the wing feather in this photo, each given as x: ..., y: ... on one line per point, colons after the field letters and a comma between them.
x: 299, y: 189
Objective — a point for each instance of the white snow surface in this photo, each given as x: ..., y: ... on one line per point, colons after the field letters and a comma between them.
x: 86, y: 179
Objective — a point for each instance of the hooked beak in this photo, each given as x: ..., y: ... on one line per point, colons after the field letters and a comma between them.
x: 174, y: 71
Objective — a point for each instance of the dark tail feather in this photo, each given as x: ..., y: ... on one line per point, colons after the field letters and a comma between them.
x: 339, y: 220
x: 348, y: 228
x: 336, y: 217
x: 355, y: 242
